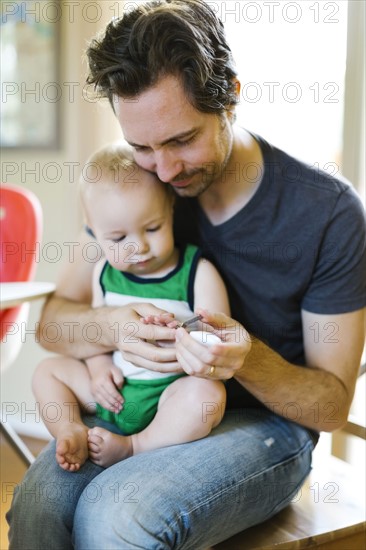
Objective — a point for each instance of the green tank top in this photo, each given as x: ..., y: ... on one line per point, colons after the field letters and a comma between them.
x: 178, y: 285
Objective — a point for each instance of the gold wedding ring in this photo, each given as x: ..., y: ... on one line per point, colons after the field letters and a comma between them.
x: 212, y: 370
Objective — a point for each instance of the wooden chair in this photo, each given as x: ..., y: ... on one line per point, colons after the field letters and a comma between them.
x: 328, y: 513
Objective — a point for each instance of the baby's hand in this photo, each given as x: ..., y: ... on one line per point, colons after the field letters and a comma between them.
x: 162, y: 320
x: 105, y: 387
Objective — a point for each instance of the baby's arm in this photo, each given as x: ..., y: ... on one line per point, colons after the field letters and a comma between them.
x: 209, y: 289
x: 209, y: 293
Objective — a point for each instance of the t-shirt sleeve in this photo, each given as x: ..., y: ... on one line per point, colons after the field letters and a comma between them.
x: 338, y: 284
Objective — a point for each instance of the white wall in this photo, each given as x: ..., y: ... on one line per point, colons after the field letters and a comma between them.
x: 85, y: 126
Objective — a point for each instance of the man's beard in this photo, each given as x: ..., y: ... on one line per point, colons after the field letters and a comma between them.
x: 203, y: 179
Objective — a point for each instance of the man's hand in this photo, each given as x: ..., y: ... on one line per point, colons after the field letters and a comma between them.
x: 135, y: 337
x: 219, y: 361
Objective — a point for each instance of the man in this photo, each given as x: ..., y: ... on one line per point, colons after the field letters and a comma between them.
x: 290, y: 244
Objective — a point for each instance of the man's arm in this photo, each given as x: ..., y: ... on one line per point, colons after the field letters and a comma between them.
x: 317, y: 396
x: 70, y: 308
x: 70, y: 326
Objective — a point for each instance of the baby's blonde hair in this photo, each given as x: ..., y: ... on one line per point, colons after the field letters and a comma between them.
x: 113, y: 165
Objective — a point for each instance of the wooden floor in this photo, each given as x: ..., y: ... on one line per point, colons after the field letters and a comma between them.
x: 12, y: 470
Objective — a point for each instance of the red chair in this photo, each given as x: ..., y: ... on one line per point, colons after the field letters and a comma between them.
x: 20, y: 233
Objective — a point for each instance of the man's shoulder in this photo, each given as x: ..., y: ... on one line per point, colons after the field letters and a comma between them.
x: 286, y: 169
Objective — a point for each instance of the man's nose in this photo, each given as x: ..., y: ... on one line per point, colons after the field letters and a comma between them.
x: 167, y: 165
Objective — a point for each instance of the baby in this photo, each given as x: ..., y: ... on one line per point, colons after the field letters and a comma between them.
x: 130, y: 213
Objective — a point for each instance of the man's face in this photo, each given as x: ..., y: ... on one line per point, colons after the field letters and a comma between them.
x: 184, y: 147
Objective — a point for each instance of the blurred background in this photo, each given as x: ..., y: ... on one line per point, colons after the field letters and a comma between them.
x: 301, y: 65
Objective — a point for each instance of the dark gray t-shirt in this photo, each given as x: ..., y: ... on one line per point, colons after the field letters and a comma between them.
x: 300, y: 243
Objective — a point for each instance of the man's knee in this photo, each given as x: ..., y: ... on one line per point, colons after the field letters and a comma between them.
x: 128, y: 515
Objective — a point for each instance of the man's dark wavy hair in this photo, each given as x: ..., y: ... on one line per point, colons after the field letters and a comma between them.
x: 183, y: 38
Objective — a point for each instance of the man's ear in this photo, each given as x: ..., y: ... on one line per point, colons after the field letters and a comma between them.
x: 237, y: 85
x: 231, y: 108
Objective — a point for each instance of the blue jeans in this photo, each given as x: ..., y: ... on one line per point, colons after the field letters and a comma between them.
x: 188, y: 496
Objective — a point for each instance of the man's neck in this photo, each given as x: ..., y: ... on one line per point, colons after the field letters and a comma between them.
x: 238, y: 182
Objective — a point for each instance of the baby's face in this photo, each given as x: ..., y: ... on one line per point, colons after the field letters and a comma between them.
x: 133, y: 225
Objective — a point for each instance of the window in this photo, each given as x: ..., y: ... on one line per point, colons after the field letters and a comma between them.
x: 291, y: 59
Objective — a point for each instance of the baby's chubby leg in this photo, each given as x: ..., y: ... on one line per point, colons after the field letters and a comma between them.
x: 188, y: 410
x: 66, y: 382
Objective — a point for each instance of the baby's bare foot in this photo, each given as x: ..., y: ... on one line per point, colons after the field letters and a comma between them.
x: 72, y: 447
x: 107, y: 448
